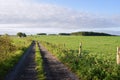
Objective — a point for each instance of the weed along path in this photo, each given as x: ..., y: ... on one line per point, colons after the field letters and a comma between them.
x: 54, y: 69
x: 25, y: 69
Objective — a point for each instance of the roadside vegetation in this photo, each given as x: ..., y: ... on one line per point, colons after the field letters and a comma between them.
x: 39, y: 64
x: 98, y: 59
x: 11, y: 50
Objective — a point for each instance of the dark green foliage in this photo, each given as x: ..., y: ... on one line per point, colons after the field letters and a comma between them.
x: 41, y: 34
x: 24, y: 35
x: 20, y: 34
x: 66, y: 34
x: 90, y: 34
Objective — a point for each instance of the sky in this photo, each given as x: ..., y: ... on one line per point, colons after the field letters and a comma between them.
x: 57, y: 16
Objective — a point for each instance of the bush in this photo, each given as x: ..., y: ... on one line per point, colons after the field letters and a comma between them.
x: 6, y: 44
x: 20, y: 34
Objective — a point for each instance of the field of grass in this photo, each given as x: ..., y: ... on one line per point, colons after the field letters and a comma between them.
x: 98, y: 60
x: 8, y: 58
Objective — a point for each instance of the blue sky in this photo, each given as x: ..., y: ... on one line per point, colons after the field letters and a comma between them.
x: 55, y: 16
x: 92, y: 6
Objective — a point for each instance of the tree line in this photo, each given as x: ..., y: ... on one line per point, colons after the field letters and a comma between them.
x: 90, y: 34
x: 80, y: 34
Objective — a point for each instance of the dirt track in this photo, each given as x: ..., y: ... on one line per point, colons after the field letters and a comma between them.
x: 54, y: 69
x: 29, y: 72
x: 25, y: 69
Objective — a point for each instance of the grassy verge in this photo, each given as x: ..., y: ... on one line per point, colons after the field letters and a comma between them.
x: 39, y: 65
x: 8, y: 59
x: 98, y: 61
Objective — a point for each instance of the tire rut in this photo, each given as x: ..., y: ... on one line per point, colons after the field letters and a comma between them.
x: 29, y: 72
x: 25, y: 69
x: 53, y: 68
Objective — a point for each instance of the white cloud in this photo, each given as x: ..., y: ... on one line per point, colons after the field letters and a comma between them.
x: 26, y: 14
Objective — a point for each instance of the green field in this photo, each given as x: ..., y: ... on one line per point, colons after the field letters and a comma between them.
x: 98, y: 60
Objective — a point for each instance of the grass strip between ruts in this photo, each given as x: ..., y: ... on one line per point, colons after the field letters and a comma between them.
x: 39, y: 64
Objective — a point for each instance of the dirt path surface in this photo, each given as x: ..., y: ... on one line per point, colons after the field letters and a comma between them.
x: 54, y: 69
x: 25, y: 69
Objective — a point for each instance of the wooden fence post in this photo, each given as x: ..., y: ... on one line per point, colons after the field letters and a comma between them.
x: 80, y: 49
x: 118, y: 55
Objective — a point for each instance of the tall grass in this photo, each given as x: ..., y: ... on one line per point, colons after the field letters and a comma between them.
x: 9, y: 58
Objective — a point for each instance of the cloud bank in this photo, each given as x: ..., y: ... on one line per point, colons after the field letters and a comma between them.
x: 18, y: 15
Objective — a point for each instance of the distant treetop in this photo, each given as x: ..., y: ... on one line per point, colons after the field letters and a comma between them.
x: 20, y: 34
x: 41, y: 34
x: 64, y: 34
